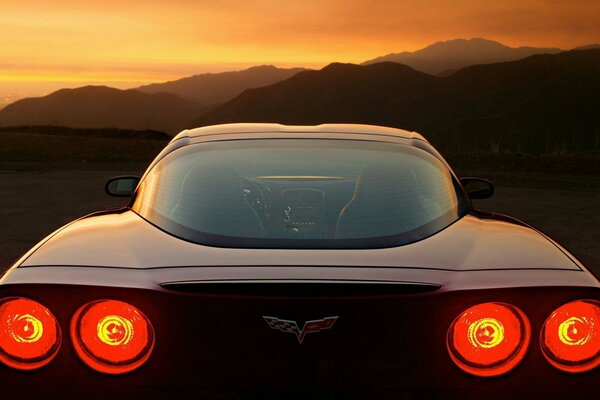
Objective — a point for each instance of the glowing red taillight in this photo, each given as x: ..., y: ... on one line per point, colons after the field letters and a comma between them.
x: 29, y: 334
x: 570, y: 337
x: 112, y: 336
x: 489, y: 339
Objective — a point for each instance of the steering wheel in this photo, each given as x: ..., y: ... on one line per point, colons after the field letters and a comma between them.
x: 254, y: 195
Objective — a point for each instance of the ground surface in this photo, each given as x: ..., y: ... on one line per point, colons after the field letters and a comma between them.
x: 33, y: 203
x: 571, y: 217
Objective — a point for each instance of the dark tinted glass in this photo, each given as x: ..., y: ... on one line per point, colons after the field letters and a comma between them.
x: 298, y: 193
x: 123, y: 186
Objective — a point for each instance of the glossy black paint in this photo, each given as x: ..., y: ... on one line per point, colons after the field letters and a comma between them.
x: 218, y: 345
x: 478, y: 188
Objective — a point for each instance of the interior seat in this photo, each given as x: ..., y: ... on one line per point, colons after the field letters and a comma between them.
x: 385, y: 202
x: 212, y: 200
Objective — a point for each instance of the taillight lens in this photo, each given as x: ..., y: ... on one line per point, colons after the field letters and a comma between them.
x: 570, y: 337
x: 489, y: 339
x: 29, y: 334
x: 111, y: 336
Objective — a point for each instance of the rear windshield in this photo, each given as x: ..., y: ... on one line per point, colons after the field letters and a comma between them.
x: 299, y: 193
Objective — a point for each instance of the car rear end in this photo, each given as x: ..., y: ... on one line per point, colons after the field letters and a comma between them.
x: 390, y: 338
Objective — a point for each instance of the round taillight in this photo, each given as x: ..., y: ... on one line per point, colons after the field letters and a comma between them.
x: 570, y: 337
x: 111, y: 336
x: 29, y: 334
x: 489, y: 339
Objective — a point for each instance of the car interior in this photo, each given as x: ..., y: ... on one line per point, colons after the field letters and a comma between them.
x: 379, y: 201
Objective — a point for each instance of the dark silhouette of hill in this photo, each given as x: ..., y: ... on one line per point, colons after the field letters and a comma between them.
x: 221, y: 87
x: 103, y: 107
x: 541, y: 104
x: 55, y: 147
x: 336, y: 93
x: 92, y: 132
x: 442, y: 58
x: 332, y: 94
x: 588, y: 47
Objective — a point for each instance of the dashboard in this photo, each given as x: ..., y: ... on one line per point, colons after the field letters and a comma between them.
x: 298, y: 206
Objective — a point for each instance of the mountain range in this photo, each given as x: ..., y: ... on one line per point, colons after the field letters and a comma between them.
x: 444, y: 58
x: 523, y: 105
x: 543, y: 103
x: 167, y: 106
x: 218, y: 88
x: 103, y: 107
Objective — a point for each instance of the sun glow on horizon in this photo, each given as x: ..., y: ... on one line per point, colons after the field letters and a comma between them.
x: 138, y: 42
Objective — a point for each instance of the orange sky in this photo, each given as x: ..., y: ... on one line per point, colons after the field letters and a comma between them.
x: 47, y: 44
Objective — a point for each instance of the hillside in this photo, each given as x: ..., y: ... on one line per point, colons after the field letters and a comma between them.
x: 52, y: 147
x: 541, y: 104
x: 337, y: 93
x: 221, y: 87
x: 103, y: 107
x: 442, y: 58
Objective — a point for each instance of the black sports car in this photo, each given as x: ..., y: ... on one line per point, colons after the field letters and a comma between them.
x: 270, y: 261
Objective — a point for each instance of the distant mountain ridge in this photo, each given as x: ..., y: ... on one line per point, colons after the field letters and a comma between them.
x: 217, y: 88
x: 443, y: 58
x: 588, y: 47
x: 382, y: 93
x: 543, y: 103
x: 335, y: 93
x: 102, y: 107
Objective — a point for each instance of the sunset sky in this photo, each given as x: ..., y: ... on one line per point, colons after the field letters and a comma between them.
x: 48, y: 44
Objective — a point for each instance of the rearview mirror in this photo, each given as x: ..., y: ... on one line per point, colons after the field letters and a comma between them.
x: 478, y: 188
x: 122, y: 186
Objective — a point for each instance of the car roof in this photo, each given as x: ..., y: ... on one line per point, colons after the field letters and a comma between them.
x: 254, y: 128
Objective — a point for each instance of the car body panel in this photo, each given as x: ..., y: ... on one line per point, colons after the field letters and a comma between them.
x: 323, y: 129
x: 153, y: 278
x: 218, y: 345
x: 472, y: 243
